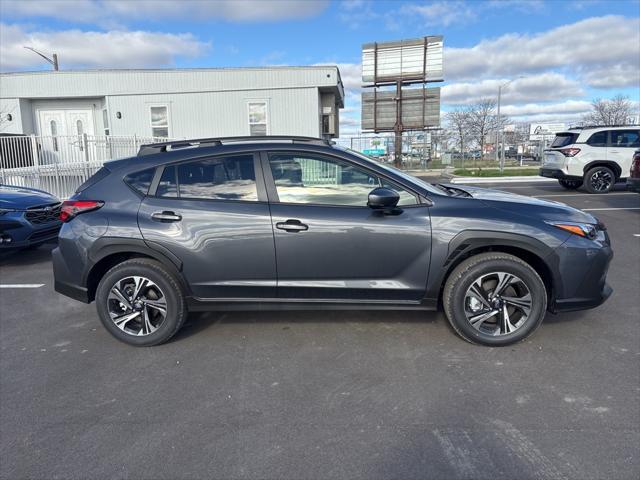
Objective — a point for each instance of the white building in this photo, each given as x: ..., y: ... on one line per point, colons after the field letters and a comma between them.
x: 186, y: 103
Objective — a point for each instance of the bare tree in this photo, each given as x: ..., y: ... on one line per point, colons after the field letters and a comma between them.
x: 458, y: 122
x: 483, y: 121
x: 609, y: 112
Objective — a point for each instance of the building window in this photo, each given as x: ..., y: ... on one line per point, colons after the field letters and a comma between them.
x: 160, y: 121
x: 258, y: 122
x: 105, y: 121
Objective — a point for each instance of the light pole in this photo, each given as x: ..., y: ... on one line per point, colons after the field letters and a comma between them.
x: 53, y: 60
x: 500, y: 158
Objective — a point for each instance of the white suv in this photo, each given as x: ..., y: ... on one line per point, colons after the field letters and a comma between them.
x: 597, y: 157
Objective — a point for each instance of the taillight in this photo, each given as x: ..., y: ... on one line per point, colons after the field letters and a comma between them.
x: 635, y: 164
x: 570, y: 152
x: 71, y: 208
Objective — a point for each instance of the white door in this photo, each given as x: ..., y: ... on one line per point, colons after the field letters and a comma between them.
x: 62, y: 131
x: 53, y: 128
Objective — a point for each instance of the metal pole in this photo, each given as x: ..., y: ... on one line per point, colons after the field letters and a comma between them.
x: 398, y: 126
x: 498, y: 157
x: 55, y: 62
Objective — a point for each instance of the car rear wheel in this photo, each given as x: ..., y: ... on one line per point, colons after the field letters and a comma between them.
x: 570, y: 184
x: 140, y: 303
x: 494, y: 299
x: 599, y: 180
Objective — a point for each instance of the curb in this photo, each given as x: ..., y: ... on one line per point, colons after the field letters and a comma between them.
x: 532, y: 178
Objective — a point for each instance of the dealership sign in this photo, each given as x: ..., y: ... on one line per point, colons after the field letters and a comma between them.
x: 538, y: 131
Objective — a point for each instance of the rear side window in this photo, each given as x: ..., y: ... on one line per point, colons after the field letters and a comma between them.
x: 625, y: 138
x: 598, y: 139
x: 564, y: 139
x: 226, y: 178
x: 92, y: 180
x: 141, y: 181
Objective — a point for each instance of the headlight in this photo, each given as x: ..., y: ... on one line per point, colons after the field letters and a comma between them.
x: 6, y: 210
x: 586, y: 230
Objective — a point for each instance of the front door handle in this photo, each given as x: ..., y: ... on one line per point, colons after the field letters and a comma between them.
x: 292, y: 226
x: 166, y: 216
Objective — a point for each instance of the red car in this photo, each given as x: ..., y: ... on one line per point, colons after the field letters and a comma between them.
x: 633, y: 181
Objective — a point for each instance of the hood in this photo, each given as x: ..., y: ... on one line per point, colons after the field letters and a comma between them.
x: 528, y: 206
x: 20, y: 198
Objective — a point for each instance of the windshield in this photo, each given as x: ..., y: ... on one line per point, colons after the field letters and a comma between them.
x: 564, y: 139
x: 410, y: 178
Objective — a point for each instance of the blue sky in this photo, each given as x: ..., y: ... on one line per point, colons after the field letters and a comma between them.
x: 567, y: 52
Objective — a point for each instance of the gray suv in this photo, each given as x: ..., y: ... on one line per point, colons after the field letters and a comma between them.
x: 299, y: 223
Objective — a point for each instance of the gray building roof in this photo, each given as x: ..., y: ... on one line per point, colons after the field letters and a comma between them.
x: 98, y: 83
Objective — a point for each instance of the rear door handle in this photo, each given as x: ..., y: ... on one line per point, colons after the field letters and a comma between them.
x: 166, y: 216
x: 292, y: 225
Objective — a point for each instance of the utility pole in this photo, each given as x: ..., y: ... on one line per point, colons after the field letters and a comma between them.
x: 500, y: 157
x: 53, y: 60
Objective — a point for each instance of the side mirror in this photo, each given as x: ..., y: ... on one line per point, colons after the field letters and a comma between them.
x: 383, y: 199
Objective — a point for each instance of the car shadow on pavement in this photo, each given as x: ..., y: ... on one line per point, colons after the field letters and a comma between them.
x: 200, y: 321
x: 26, y: 256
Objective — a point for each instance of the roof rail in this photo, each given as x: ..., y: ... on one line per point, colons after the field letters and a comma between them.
x: 580, y: 127
x: 151, y: 148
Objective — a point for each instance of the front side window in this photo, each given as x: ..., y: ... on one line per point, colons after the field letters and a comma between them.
x: 226, y: 178
x: 159, y: 121
x: 258, y: 118
x: 303, y: 178
x: 598, y: 139
x: 625, y: 138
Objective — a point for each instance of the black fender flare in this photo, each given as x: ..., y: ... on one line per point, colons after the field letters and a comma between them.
x: 617, y: 169
x: 107, y: 246
x: 470, y: 240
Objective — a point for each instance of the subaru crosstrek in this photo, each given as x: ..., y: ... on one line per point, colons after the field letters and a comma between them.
x: 298, y: 223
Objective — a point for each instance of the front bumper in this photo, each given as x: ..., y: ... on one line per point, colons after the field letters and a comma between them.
x: 633, y: 184
x: 557, y: 173
x: 581, y: 274
x: 17, y: 232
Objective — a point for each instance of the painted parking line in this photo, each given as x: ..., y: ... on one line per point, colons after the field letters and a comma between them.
x: 602, y: 209
x: 21, y: 285
x: 581, y: 195
x: 636, y: 234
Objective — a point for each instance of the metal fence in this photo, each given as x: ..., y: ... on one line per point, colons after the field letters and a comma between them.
x: 59, y: 164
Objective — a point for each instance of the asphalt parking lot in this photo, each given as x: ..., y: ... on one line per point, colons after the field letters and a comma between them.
x: 324, y: 394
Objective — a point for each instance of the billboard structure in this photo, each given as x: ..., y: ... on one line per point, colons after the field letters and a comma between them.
x: 402, y: 64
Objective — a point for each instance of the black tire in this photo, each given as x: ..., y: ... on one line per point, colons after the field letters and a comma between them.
x: 484, y: 265
x: 570, y: 184
x: 599, y: 180
x: 172, y: 294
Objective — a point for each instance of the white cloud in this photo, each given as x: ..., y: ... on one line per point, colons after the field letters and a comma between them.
x: 561, y: 108
x: 116, y: 12
x: 601, y: 44
x: 440, y: 13
x: 76, y: 48
x: 535, y: 88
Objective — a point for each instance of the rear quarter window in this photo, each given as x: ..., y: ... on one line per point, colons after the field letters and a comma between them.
x: 141, y: 181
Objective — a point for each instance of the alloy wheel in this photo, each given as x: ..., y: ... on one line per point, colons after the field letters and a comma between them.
x: 137, y: 306
x: 497, y: 303
x: 601, y: 180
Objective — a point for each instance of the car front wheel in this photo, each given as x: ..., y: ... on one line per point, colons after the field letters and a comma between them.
x: 494, y: 299
x: 140, y: 303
